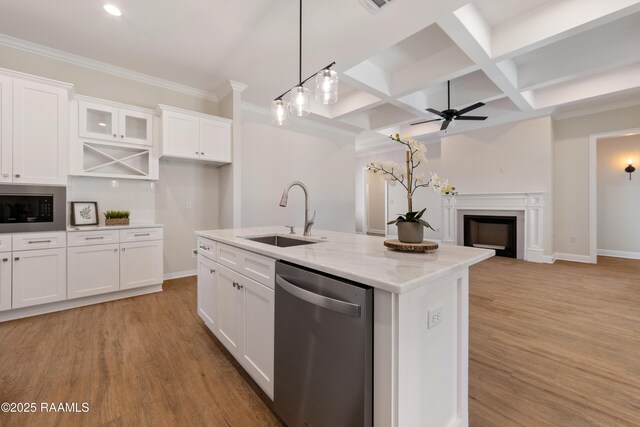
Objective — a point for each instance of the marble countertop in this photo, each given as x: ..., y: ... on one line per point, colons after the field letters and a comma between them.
x: 357, y: 257
x: 110, y: 227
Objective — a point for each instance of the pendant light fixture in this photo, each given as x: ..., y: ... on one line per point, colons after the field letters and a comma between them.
x: 299, y: 101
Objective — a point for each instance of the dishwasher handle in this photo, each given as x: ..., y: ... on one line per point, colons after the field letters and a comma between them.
x: 336, y: 305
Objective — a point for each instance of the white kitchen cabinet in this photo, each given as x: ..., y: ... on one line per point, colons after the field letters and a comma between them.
x: 191, y: 135
x: 208, y: 295
x: 6, y: 134
x: 93, y: 270
x: 246, y: 323
x: 5, y: 281
x: 113, y: 122
x: 39, y: 277
x: 40, y: 133
x: 140, y: 264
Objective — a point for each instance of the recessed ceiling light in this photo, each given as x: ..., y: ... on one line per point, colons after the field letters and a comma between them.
x: 113, y: 10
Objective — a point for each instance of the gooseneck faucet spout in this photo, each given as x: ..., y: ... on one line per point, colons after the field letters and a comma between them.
x: 308, y: 223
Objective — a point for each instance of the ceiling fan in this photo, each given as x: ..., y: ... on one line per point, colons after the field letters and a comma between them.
x: 449, y: 115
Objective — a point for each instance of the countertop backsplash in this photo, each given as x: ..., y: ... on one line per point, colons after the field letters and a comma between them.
x: 138, y: 197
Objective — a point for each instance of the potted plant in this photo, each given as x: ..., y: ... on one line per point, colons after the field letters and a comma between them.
x: 411, y: 225
x: 116, y: 218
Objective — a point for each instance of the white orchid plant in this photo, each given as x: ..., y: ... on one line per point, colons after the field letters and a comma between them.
x: 393, y: 173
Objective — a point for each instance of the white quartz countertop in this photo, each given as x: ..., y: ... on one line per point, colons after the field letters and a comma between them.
x: 357, y: 257
x: 110, y: 227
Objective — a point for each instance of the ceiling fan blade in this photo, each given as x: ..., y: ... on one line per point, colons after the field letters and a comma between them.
x: 471, y: 118
x: 470, y: 108
x: 425, y: 121
x: 445, y: 124
x: 436, y: 112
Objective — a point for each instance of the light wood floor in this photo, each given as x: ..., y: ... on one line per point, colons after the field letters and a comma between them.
x: 555, y: 345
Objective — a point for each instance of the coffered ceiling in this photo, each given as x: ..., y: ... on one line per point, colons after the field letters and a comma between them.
x: 522, y: 58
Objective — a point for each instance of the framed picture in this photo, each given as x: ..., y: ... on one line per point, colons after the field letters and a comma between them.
x: 84, y: 213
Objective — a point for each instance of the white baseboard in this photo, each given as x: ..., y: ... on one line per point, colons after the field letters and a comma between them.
x: 619, y: 254
x: 179, y: 274
x: 574, y: 258
x: 37, y: 310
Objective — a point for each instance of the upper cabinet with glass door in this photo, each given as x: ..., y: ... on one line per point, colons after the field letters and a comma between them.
x: 114, y: 122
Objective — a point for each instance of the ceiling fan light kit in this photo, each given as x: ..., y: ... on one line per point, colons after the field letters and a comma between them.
x: 299, y: 103
x: 450, y: 114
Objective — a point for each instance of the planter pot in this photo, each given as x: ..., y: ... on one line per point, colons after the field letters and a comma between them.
x: 116, y: 221
x: 410, y: 232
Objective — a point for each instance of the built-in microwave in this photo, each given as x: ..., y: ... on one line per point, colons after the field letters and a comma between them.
x: 32, y: 208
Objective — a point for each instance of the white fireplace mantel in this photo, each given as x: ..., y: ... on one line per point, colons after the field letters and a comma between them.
x: 531, y: 203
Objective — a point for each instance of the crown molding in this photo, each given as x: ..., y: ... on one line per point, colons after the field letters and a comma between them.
x: 246, y: 106
x: 227, y: 87
x: 92, y: 64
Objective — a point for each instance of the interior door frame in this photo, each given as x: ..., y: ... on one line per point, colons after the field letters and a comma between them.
x: 593, y: 186
x: 365, y: 211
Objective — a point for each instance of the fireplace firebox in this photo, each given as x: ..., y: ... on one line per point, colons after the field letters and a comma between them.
x: 492, y: 232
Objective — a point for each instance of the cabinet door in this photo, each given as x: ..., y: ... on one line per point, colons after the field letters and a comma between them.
x: 93, y: 270
x: 98, y: 121
x: 40, y: 133
x: 230, y: 310
x: 39, y: 277
x: 180, y: 135
x: 208, y: 292
x: 140, y: 264
x: 215, y: 140
x: 5, y: 281
x: 258, y: 333
x: 6, y: 135
x: 135, y: 127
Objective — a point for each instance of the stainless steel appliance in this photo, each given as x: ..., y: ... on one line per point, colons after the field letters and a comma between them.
x: 32, y: 208
x: 323, y: 349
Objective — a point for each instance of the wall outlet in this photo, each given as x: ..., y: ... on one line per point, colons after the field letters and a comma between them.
x: 434, y: 316
x: 194, y: 253
x: 188, y: 205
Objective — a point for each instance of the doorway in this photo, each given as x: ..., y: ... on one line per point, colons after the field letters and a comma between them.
x: 375, y: 204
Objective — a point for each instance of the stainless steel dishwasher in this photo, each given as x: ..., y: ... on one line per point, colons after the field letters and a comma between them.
x: 323, y: 350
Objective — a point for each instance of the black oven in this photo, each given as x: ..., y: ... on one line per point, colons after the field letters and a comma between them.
x: 32, y: 208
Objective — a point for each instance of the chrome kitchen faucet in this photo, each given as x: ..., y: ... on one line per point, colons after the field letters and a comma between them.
x: 308, y: 223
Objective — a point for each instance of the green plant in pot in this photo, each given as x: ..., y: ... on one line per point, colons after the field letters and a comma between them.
x: 116, y: 217
x: 411, y: 225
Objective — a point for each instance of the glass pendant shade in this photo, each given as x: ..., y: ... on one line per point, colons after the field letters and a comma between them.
x: 279, y: 112
x: 327, y: 86
x: 299, y: 101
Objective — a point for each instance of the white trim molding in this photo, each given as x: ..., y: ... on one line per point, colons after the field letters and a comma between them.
x: 619, y: 254
x: 180, y: 274
x: 573, y: 258
x: 92, y: 64
x: 532, y: 204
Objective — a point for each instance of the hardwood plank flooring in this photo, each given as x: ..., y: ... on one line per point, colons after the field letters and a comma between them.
x: 550, y: 345
x: 554, y: 345
x: 143, y: 361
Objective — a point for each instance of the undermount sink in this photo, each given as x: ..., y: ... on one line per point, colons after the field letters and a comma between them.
x: 280, y: 241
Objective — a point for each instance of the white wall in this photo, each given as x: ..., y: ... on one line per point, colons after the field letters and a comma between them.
x: 572, y: 173
x: 186, y: 200
x: 178, y: 181
x: 618, y: 198
x: 509, y: 158
x: 397, y: 196
x: 274, y: 156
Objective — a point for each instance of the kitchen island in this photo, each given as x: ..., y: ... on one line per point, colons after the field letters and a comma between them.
x: 420, y: 314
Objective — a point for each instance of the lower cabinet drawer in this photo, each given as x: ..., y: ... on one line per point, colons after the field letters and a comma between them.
x: 140, y: 234
x: 87, y: 238
x: 257, y: 267
x: 30, y: 241
x: 207, y: 248
x: 5, y: 242
x: 93, y: 270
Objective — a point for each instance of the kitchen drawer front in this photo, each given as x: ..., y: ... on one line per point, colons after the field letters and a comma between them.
x: 87, y: 238
x: 140, y: 234
x: 5, y: 242
x: 207, y: 248
x: 30, y: 241
x: 257, y: 267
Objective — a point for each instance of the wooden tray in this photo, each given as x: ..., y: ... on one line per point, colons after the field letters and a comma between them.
x: 411, y: 247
